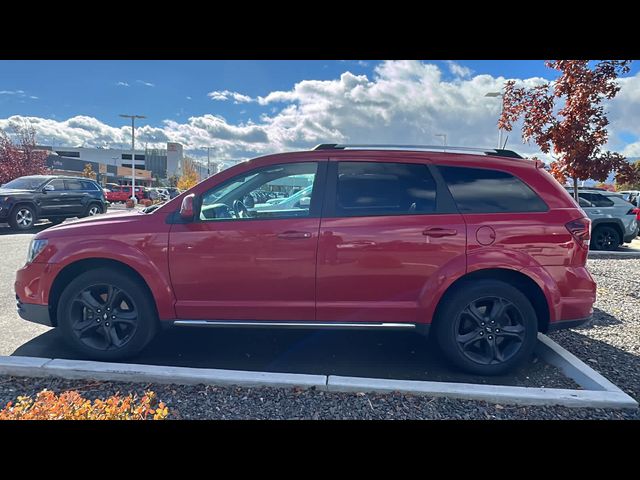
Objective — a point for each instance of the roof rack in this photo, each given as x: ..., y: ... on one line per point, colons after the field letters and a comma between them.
x: 432, y: 148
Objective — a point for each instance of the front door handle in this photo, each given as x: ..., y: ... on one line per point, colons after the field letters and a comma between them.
x: 439, y: 232
x: 292, y: 235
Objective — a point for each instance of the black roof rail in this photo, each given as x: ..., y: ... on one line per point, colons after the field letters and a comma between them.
x: 434, y: 148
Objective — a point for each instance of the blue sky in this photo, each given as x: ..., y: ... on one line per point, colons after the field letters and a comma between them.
x: 176, y: 91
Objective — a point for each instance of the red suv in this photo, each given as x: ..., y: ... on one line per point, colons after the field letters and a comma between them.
x: 483, y: 250
x: 121, y: 193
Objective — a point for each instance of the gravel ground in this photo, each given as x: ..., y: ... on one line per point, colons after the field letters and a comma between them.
x: 610, y: 343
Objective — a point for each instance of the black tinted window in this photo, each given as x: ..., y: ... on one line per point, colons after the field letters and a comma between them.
x: 596, y: 199
x: 86, y: 185
x: 478, y: 190
x: 74, y: 184
x: 368, y: 188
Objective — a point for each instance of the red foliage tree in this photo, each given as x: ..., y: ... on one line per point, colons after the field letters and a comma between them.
x: 567, y: 117
x: 20, y: 158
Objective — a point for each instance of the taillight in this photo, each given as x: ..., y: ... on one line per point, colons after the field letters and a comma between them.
x: 633, y: 211
x: 580, y: 230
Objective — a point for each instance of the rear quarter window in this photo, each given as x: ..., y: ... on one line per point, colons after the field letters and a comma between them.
x: 480, y: 190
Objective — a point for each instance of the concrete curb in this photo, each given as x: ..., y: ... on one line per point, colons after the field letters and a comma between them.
x: 598, y: 391
x: 600, y: 254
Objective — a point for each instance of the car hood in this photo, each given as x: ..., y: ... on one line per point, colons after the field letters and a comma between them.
x: 99, y: 224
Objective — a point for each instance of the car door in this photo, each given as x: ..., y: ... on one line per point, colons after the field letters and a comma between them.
x: 236, y: 263
x: 77, y: 198
x: 53, y: 199
x: 388, y: 228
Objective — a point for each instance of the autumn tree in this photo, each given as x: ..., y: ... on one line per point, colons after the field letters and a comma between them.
x: 88, y: 172
x: 632, y: 181
x: 189, y: 176
x: 567, y: 117
x: 20, y: 157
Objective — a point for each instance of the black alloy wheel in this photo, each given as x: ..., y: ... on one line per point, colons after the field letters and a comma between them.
x: 490, y: 330
x: 104, y: 317
x: 605, y: 238
x: 107, y: 314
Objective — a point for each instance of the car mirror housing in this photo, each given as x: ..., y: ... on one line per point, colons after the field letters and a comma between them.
x: 186, y: 209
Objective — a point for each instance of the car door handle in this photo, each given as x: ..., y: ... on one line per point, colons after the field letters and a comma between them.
x: 439, y: 232
x: 292, y: 235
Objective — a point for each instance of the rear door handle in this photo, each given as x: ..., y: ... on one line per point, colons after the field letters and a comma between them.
x: 439, y: 232
x: 292, y: 235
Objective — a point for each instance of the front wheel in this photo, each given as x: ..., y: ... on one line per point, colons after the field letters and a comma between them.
x: 106, y: 315
x: 486, y: 327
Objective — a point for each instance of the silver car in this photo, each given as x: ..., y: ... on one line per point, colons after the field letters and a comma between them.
x: 613, y: 221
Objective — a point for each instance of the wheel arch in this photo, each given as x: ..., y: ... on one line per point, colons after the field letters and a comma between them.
x: 74, y: 269
x: 614, y: 223
x: 528, y: 286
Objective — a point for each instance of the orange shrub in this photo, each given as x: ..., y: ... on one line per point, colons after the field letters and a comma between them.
x: 72, y: 406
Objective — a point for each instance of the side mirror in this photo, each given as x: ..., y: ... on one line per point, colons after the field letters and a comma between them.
x: 305, y: 201
x: 186, y: 209
x: 48, y: 188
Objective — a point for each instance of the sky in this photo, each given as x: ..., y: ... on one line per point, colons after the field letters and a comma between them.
x: 244, y: 109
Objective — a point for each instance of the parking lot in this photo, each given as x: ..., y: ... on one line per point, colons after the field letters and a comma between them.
x: 610, y: 343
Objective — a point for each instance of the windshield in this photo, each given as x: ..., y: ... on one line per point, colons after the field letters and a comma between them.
x: 25, y: 183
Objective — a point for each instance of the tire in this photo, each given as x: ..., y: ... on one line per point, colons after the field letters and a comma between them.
x: 93, y: 209
x: 466, y: 340
x: 77, y: 311
x: 57, y: 221
x: 23, y: 217
x: 605, y: 238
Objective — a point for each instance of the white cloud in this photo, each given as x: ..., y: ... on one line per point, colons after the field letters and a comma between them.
x: 122, y: 84
x: 188, y: 98
x: 401, y: 102
x: 11, y: 92
x: 458, y: 70
x: 224, y: 95
x: 146, y: 84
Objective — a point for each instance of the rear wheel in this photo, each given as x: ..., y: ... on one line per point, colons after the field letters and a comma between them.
x: 93, y: 209
x: 23, y: 217
x: 106, y: 315
x: 605, y: 238
x: 486, y: 327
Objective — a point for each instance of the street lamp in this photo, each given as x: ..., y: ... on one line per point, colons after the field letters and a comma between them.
x: 497, y: 95
x: 133, y: 153
x: 444, y: 138
x: 208, y: 161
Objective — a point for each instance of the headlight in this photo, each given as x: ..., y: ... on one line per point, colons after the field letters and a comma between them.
x: 35, y: 247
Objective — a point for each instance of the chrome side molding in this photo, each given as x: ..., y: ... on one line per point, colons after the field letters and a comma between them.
x: 269, y: 324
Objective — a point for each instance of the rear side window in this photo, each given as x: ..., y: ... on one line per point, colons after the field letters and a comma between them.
x: 596, y: 199
x: 373, y: 188
x: 479, y: 190
x: 73, y: 185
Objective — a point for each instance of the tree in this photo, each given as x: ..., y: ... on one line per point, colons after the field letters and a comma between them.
x: 632, y: 181
x: 567, y: 117
x: 88, y: 171
x: 21, y: 157
x: 189, y: 176
x: 173, y: 181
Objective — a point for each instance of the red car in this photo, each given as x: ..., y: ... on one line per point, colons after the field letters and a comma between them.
x: 482, y: 250
x: 121, y: 193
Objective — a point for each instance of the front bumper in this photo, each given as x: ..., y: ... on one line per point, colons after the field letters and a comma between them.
x: 34, y: 313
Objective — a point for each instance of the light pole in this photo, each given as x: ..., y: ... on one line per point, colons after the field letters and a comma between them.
x: 494, y: 95
x: 133, y: 154
x: 444, y: 138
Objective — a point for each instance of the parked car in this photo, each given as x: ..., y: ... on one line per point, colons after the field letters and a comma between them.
x: 26, y: 200
x: 483, y: 250
x: 121, y: 193
x: 613, y: 219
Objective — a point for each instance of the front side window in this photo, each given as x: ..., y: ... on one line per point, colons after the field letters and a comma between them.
x: 376, y: 188
x: 56, y: 185
x: 278, y: 191
x: 480, y: 190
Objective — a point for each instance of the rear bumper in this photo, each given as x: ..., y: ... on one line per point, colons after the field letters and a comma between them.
x: 555, y: 326
x: 34, y: 313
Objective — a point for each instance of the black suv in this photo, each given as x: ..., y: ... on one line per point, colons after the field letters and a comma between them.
x: 25, y: 200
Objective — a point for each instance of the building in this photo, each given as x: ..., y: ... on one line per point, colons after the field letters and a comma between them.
x: 153, y: 165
